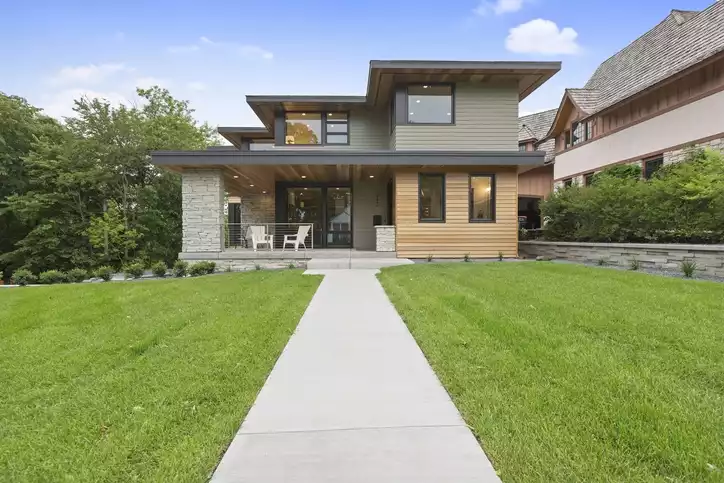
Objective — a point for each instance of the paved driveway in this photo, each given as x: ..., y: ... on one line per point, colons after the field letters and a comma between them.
x: 352, y: 399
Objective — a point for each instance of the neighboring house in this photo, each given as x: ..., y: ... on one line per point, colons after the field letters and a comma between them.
x: 649, y: 103
x: 535, y: 183
x: 428, y: 157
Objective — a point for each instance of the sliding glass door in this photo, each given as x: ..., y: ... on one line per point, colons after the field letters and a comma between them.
x: 339, y: 217
x: 329, y: 208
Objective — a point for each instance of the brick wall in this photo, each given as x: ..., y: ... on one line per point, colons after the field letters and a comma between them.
x: 709, y: 258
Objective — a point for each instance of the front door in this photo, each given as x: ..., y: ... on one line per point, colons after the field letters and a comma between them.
x: 328, y: 208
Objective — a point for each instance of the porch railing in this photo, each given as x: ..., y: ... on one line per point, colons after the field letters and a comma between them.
x: 238, y: 235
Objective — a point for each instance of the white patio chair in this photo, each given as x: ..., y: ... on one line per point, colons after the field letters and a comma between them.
x: 259, y: 237
x: 297, y: 239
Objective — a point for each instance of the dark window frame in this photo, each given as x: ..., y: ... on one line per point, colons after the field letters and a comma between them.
x: 568, y: 182
x: 524, y: 146
x: 658, y: 159
x: 567, y: 137
x: 443, y: 197
x: 432, y: 84
x: 471, y: 200
x: 325, y: 121
x: 588, y: 178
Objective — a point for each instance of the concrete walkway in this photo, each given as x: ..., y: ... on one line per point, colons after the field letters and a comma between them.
x: 353, y: 399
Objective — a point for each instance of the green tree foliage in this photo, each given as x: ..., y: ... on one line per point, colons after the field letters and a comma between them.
x: 683, y: 202
x: 56, y: 180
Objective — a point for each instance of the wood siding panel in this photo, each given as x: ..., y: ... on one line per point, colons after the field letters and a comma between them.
x: 457, y: 236
x: 536, y: 182
x: 486, y: 119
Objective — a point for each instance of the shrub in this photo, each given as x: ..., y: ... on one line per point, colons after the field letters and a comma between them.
x: 159, y: 269
x: 466, y: 257
x: 198, y: 269
x: 291, y: 265
x: 180, y: 268
x: 429, y: 257
x: 210, y: 267
x: 602, y: 261
x: 52, y: 276
x: 634, y: 264
x: 105, y: 272
x: 688, y: 267
x: 23, y: 277
x: 77, y: 275
x: 500, y: 256
x: 133, y: 270
x: 683, y: 203
x: 257, y: 266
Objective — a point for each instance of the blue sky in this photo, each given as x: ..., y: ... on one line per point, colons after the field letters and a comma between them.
x: 214, y: 53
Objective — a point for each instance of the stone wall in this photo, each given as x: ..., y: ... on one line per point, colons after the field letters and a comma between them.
x: 202, y: 193
x: 709, y: 258
x: 245, y: 265
x: 385, y: 239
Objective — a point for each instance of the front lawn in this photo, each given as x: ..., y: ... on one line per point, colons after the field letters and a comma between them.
x: 137, y: 381
x: 570, y: 373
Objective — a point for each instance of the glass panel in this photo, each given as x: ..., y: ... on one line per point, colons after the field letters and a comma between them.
x: 336, y: 116
x: 304, y: 205
x: 303, y: 128
x: 652, y: 166
x: 429, y: 104
x: 481, y: 196
x: 339, y: 217
x: 337, y: 139
x: 338, y: 127
x: 432, y: 197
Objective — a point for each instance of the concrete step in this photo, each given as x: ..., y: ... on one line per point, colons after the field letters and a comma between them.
x: 360, y: 263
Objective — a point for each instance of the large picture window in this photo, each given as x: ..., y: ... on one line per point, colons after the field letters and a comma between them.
x: 430, y: 104
x: 482, y: 198
x: 432, y: 197
x: 303, y: 128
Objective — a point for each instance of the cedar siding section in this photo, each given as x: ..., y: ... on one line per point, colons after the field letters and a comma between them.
x: 457, y: 236
x: 537, y: 183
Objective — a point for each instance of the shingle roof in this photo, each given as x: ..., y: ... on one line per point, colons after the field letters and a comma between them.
x: 536, y: 126
x: 681, y: 40
x: 585, y: 99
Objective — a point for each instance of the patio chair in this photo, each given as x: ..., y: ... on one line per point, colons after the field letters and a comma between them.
x: 297, y: 239
x: 259, y: 236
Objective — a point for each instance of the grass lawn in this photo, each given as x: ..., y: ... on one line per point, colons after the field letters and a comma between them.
x: 137, y: 381
x: 571, y: 373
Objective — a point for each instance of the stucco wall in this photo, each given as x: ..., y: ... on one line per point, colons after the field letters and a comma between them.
x: 369, y: 198
x: 694, y: 121
x: 709, y: 258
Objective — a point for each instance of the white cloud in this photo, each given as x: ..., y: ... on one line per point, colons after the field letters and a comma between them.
x: 244, y: 50
x: 61, y: 104
x: 148, y: 81
x: 196, y: 86
x: 499, y: 7
x: 541, y: 36
x: 88, y: 74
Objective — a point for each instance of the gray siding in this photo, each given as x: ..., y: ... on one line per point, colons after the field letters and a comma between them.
x: 486, y: 119
x: 367, y: 130
x: 369, y: 198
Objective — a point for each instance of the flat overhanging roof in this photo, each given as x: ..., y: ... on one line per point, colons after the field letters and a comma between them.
x: 197, y: 159
x: 235, y: 134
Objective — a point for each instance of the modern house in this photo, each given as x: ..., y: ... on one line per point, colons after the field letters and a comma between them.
x: 425, y: 163
x: 649, y: 103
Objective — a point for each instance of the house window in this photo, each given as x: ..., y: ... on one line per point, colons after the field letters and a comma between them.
x: 430, y: 104
x: 588, y: 179
x: 432, y: 198
x: 568, y: 182
x: 303, y: 128
x: 337, y: 128
x: 579, y: 133
x: 522, y: 147
x: 651, y: 166
x: 589, y: 130
x: 567, y: 135
x: 482, y: 197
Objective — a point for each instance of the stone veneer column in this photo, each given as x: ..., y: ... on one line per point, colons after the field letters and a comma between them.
x: 385, y: 240
x: 202, y: 193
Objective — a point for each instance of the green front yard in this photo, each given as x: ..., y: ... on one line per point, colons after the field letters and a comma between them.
x: 570, y: 373
x: 137, y: 381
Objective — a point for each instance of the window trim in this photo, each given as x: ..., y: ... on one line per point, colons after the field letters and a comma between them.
x: 567, y: 182
x: 443, y: 201
x: 587, y: 176
x: 436, y: 84
x: 324, y: 120
x: 493, y: 198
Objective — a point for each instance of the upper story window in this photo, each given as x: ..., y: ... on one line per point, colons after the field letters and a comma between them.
x: 431, y: 198
x: 588, y: 179
x: 567, y: 137
x: 430, y: 104
x: 522, y: 147
x: 578, y: 130
x: 337, y: 128
x: 310, y: 128
x: 568, y: 182
x: 303, y: 128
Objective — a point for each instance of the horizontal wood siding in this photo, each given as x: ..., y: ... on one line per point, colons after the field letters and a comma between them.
x: 486, y: 119
x: 536, y: 182
x: 457, y: 236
